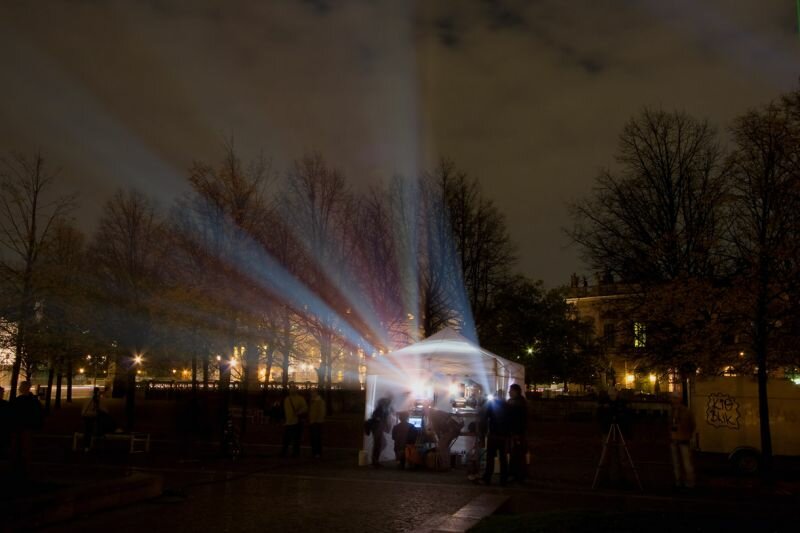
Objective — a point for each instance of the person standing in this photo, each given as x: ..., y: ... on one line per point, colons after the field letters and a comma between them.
x: 316, y: 416
x: 295, y: 411
x: 496, y: 426
x: 379, y: 426
x: 682, y: 427
x: 26, y: 417
x: 517, y: 428
x: 89, y: 414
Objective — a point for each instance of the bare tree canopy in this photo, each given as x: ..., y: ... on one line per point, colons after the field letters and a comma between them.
x: 27, y: 216
x: 657, y: 215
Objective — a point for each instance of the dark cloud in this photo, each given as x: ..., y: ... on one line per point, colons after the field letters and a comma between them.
x: 505, y: 14
x: 528, y: 96
x: 447, y: 31
x: 321, y: 7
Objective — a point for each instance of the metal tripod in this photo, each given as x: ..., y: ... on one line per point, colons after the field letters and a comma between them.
x: 615, y: 439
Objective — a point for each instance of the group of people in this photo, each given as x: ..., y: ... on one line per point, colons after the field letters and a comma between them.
x: 296, y: 414
x: 500, y: 432
x: 503, y: 425
x: 19, y: 419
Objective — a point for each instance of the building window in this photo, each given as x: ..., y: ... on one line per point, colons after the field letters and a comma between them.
x: 639, y: 335
x: 610, y: 335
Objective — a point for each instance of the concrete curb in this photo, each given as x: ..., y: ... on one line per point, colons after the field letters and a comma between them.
x: 468, y: 516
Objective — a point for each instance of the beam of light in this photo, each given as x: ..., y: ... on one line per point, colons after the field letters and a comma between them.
x: 248, y: 258
x: 439, y: 362
x: 404, y: 211
x: 76, y: 115
x: 252, y: 262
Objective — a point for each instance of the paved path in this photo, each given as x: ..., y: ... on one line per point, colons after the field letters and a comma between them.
x: 263, y: 492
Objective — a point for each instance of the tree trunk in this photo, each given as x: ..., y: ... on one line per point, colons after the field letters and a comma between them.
x: 17, y: 366
x: 250, y: 381
x: 194, y: 376
x: 59, y: 378
x: 205, y: 370
x: 130, y: 398
x: 760, y: 348
x: 270, y: 361
x: 48, y: 394
x: 69, y: 380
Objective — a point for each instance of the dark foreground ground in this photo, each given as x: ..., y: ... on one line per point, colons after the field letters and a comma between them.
x: 261, y: 491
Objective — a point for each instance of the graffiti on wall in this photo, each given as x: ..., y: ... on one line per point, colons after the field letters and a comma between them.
x: 722, y: 411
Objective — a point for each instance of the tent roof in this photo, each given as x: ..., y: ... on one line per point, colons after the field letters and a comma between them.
x: 449, y: 353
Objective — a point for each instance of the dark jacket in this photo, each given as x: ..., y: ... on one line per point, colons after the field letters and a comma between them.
x: 26, y: 413
x: 517, y: 416
x: 402, y: 434
x: 496, y: 418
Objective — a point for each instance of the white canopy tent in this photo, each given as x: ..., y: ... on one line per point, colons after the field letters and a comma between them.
x: 429, y: 368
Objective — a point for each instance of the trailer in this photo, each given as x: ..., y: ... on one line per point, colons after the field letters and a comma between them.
x: 727, y: 419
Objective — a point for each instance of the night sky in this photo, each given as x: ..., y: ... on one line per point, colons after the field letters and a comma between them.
x: 528, y: 96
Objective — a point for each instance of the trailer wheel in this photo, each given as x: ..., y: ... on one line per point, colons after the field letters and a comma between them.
x: 746, y: 461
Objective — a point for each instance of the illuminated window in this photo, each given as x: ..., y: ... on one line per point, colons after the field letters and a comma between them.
x: 639, y: 335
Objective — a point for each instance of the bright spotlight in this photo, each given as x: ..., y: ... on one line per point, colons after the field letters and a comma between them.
x: 233, y: 362
x: 453, y: 389
x: 490, y: 397
x: 137, y: 359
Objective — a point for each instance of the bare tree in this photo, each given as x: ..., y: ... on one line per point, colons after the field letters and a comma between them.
x: 657, y: 216
x: 468, y: 251
x: 317, y: 206
x: 27, y: 215
x: 126, y: 255
x: 656, y: 222
x: 765, y: 223
x: 64, y: 310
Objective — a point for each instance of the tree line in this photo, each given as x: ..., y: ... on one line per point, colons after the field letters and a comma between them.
x: 706, y: 232
x: 255, y: 267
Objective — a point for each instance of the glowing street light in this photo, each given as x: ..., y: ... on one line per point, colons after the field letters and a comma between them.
x: 529, y: 350
x: 137, y: 359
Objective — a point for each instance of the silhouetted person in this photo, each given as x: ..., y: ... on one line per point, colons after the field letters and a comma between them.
x: 403, y: 434
x: 316, y: 416
x: 496, y: 426
x: 379, y: 426
x: 295, y: 411
x: 517, y: 411
x: 91, y: 427
x: 26, y: 417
